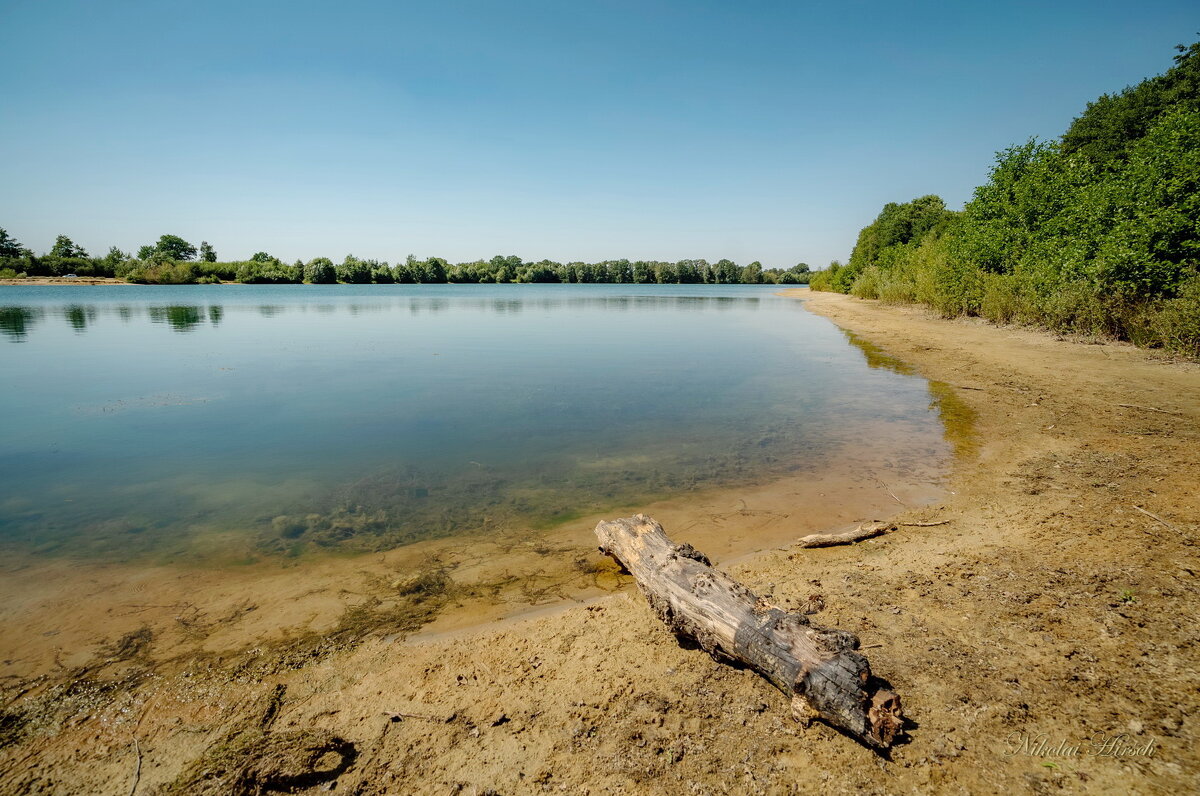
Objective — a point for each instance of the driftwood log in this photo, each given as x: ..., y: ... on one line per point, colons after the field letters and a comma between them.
x: 817, y: 667
x: 867, y: 530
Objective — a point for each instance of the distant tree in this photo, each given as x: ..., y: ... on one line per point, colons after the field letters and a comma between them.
x: 320, y: 271
x: 9, y: 247
x: 207, y: 253
x: 504, y: 269
x: 381, y: 273
x: 405, y: 273
x: 725, y: 272
x: 262, y: 257
x: 175, y: 247
x: 752, y: 273
x: 266, y: 272
x: 620, y: 271
x: 354, y: 271
x: 145, y: 252
x: 64, y: 247
x: 110, y: 261
x: 434, y: 271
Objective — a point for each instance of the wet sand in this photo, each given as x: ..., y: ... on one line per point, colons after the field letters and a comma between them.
x: 1059, y: 603
x: 80, y: 607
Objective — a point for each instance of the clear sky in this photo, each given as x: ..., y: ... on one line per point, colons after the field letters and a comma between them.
x: 568, y: 130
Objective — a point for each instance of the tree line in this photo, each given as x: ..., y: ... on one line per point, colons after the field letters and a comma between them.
x: 1097, y: 232
x: 172, y: 260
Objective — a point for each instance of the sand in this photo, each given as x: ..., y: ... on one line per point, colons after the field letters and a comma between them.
x: 62, y: 280
x: 1045, y: 639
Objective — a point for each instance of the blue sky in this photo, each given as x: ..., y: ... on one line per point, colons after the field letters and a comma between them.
x: 768, y: 131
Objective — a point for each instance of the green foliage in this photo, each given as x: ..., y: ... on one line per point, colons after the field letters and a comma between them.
x: 823, y: 280
x: 10, y: 248
x: 114, y: 258
x: 798, y: 274
x: 211, y: 273
x: 1102, y: 133
x: 65, y: 248
x: 266, y: 272
x: 354, y: 271
x: 174, y: 247
x: 320, y: 271
x: 162, y: 263
x: 1098, y: 233
x: 752, y: 274
x: 160, y: 270
x: 1175, y: 323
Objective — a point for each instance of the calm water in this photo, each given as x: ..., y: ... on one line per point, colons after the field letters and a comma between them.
x: 284, y: 419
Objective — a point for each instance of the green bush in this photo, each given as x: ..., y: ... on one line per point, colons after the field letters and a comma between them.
x: 1175, y: 323
x: 1096, y: 234
x: 269, y: 272
x: 161, y: 272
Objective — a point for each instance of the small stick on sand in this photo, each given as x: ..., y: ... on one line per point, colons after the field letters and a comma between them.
x: 867, y: 530
x: 889, y: 491
x: 864, y: 531
x: 137, y: 772
x: 398, y: 716
x: 1149, y: 409
x: 1154, y: 516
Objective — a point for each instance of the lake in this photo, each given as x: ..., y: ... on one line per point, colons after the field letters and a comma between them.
x: 218, y: 424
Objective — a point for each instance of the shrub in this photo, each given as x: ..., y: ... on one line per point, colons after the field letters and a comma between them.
x: 161, y: 272
x: 1175, y: 323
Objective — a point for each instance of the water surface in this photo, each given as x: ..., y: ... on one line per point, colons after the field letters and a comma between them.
x: 241, y: 421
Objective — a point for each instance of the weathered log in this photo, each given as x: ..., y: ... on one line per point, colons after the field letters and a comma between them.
x: 818, y: 667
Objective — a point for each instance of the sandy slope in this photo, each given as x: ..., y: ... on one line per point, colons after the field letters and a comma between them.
x: 1049, y: 606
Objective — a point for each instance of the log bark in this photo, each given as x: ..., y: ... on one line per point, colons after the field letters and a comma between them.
x: 817, y: 667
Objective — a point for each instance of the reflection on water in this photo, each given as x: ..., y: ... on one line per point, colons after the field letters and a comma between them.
x: 17, y: 321
x: 286, y: 419
x: 958, y: 419
x: 180, y: 318
x: 79, y: 317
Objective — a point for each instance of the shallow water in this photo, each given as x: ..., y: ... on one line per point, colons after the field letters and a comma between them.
x: 205, y: 423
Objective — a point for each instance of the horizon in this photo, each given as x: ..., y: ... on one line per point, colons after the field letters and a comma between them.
x: 771, y: 134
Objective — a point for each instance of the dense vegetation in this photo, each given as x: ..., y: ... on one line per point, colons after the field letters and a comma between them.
x: 1096, y: 233
x: 174, y: 261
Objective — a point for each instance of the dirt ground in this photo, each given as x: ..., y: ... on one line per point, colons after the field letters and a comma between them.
x: 1044, y: 640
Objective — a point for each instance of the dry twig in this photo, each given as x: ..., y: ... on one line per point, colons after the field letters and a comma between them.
x: 1154, y: 516
x: 137, y: 772
x: 1149, y: 409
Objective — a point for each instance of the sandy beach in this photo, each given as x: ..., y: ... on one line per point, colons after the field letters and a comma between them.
x: 62, y: 280
x: 1044, y: 639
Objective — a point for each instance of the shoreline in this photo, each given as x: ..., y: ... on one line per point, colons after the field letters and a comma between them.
x: 1058, y: 602
x: 489, y: 576
x: 59, y: 280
